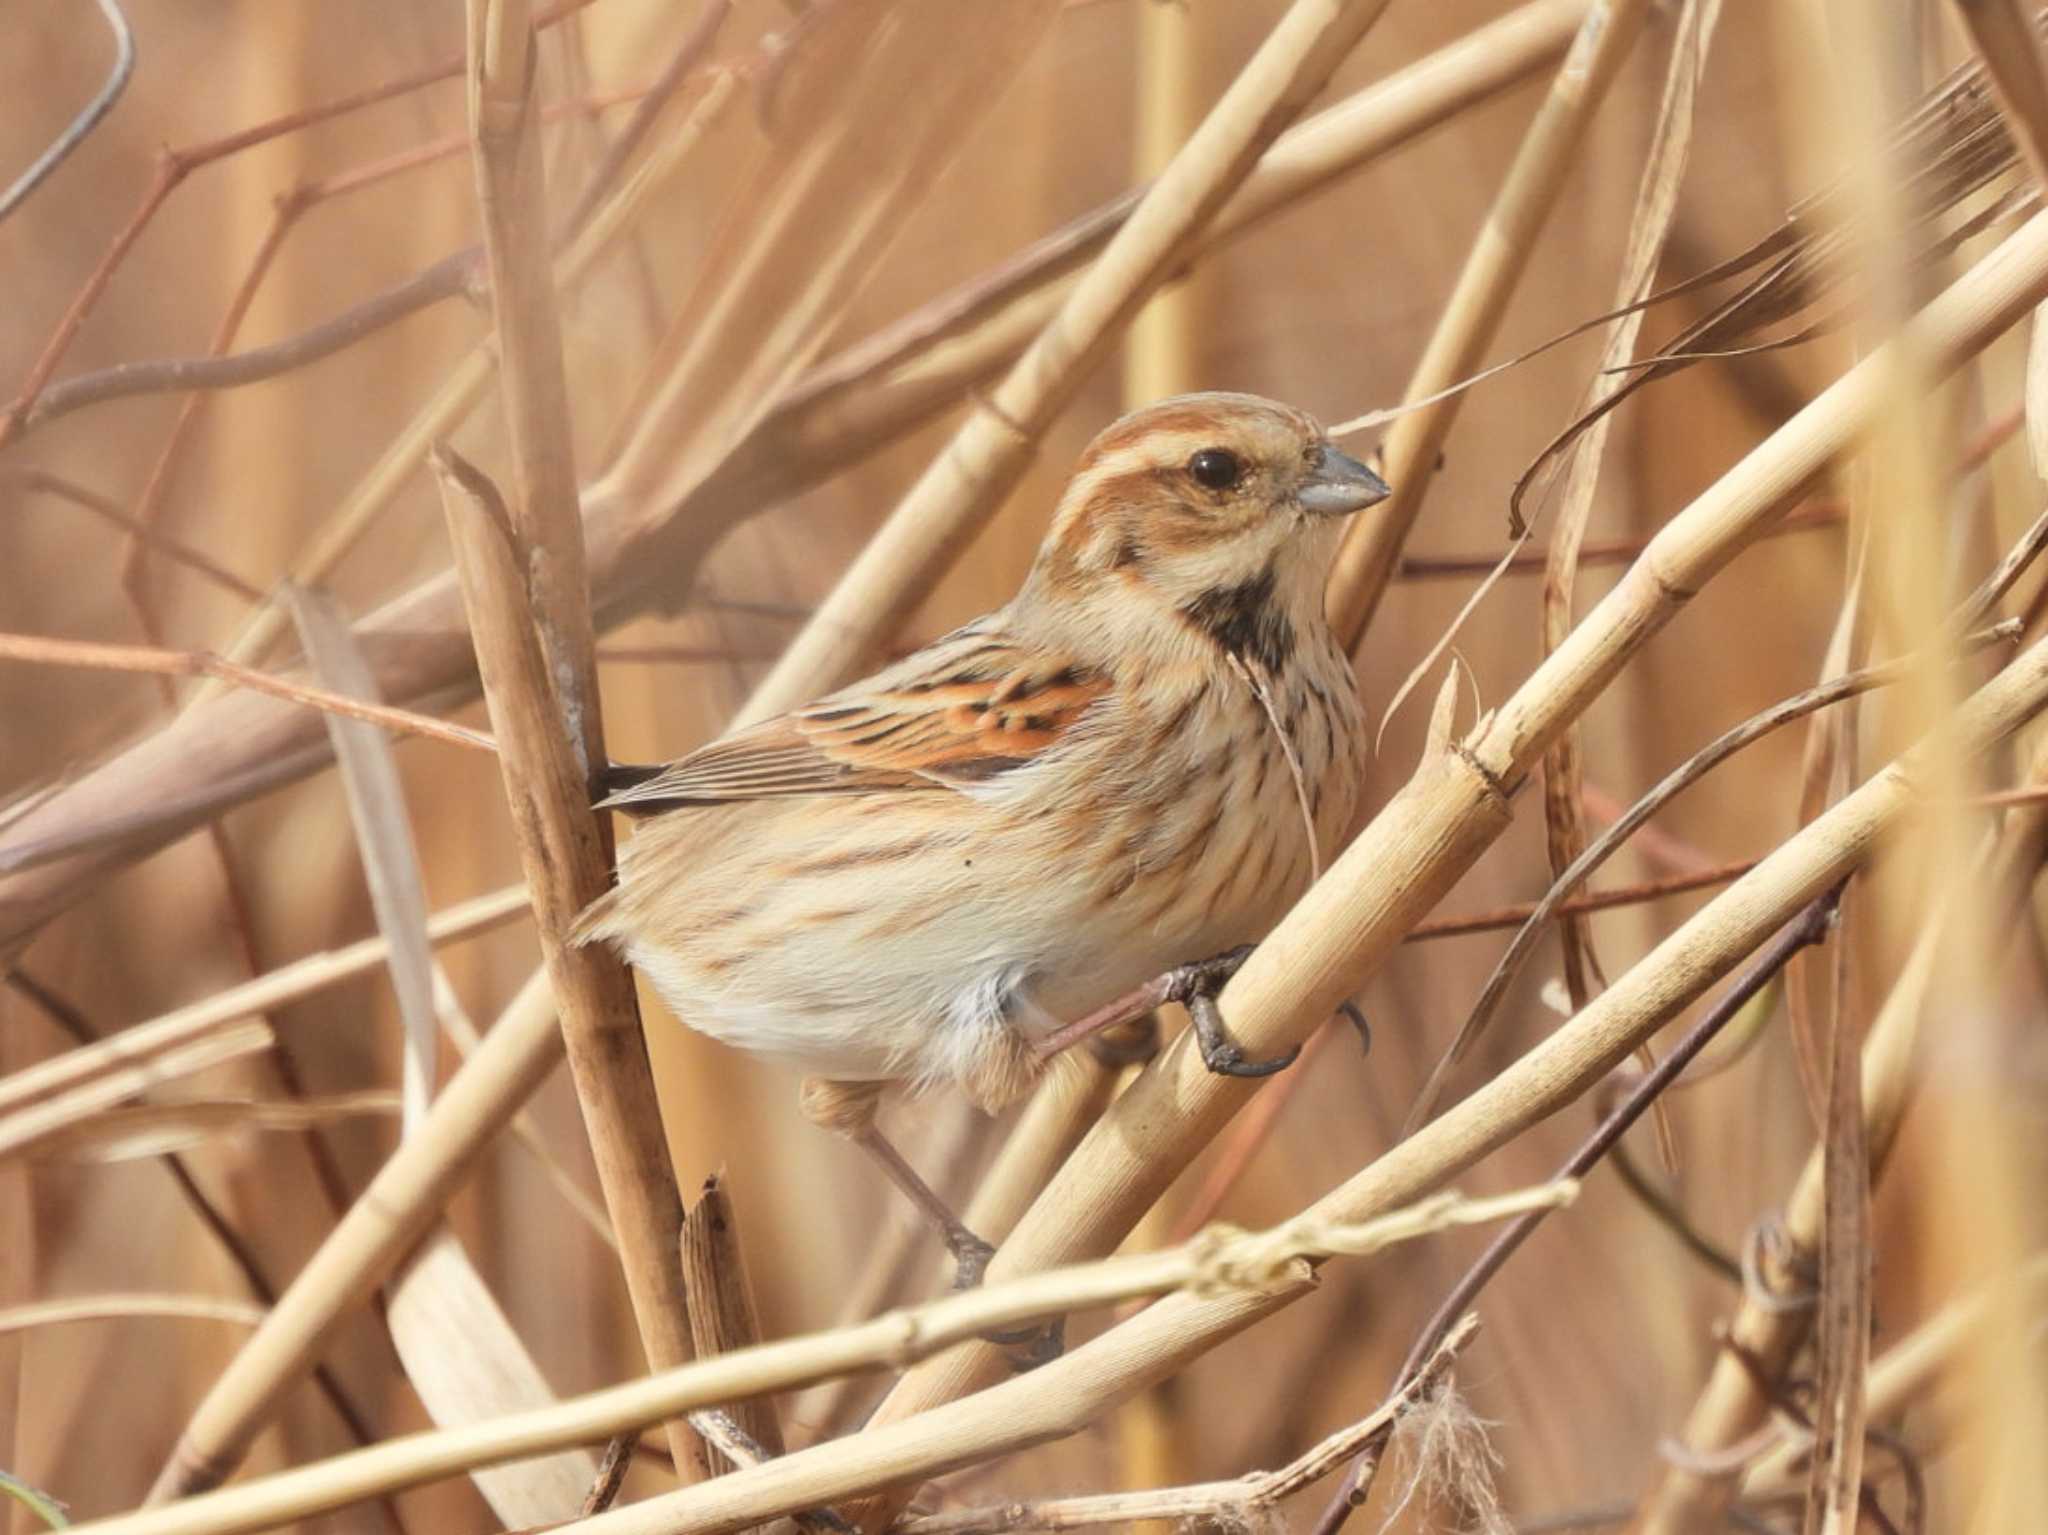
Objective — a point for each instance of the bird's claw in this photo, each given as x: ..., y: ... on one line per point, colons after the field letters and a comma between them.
x: 1350, y: 1010
x: 971, y: 1257
x: 1196, y: 986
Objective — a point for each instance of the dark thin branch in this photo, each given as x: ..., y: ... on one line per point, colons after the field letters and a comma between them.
x: 1809, y: 927
x: 445, y: 279
x: 80, y: 127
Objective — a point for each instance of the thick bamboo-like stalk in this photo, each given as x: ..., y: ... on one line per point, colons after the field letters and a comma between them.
x: 1471, y: 318
x: 1220, y: 1264
x: 968, y: 479
x: 1449, y: 812
x: 1764, y: 1338
x: 233, y: 750
x: 401, y: 1202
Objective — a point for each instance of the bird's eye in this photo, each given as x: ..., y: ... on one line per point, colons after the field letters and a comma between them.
x: 1216, y: 468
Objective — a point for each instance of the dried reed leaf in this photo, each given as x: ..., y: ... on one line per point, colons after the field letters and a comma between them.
x: 468, y: 1365
x: 458, y: 1349
x: 153, y: 1129
x: 376, y: 807
x: 1649, y: 227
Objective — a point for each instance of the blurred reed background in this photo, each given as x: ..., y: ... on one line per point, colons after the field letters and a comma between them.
x: 797, y: 180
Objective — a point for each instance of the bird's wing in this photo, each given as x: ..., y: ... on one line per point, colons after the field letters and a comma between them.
x: 961, y: 712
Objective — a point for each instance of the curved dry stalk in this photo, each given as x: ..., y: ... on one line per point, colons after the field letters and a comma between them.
x: 150, y: 660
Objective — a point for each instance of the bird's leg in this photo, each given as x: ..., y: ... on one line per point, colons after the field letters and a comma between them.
x: 849, y: 1108
x: 970, y: 1252
x: 1196, y: 986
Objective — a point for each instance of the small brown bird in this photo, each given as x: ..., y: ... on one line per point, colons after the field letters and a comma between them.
x: 1139, y: 762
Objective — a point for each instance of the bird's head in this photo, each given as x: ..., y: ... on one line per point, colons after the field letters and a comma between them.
x: 1217, y: 507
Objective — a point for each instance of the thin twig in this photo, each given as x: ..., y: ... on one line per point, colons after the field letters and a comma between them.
x: 200, y: 663
x: 80, y: 127
x: 1810, y: 927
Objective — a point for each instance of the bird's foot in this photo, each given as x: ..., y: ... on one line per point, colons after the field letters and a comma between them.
x: 1196, y: 985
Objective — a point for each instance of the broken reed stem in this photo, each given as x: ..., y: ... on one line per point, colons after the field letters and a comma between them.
x: 1455, y: 806
x: 1220, y: 1263
x: 567, y: 867
x: 527, y: 590
x: 968, y: 479
x: 722, y: 1314
x: 1769, y: 1330
x: 1372, y: 550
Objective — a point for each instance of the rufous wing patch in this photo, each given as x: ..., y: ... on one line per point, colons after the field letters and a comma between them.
x: 966, y: 717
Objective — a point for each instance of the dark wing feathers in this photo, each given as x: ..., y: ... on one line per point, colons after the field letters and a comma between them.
x: 963, y: 711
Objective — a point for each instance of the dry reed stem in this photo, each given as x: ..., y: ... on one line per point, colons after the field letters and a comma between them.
x: 458, y: 1348
x: 526, y: 587
x: 1221, y: 1264
x: 211, y: 759
x: 1656, y: 205
x: 968, y: 479
x: 399, y: 1204
x: 1455, y: 806
x: 1769, y: 1329
x: 722, y: 1314
x: 316, y: 972
x: 1472, y: 315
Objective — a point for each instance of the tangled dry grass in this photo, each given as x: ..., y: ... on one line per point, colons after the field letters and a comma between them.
x: 676, y: 361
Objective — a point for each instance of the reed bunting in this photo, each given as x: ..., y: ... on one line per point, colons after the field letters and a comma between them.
x: 944, y: 872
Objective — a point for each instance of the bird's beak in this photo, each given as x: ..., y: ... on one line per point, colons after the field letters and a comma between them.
x: 1340, y: 485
